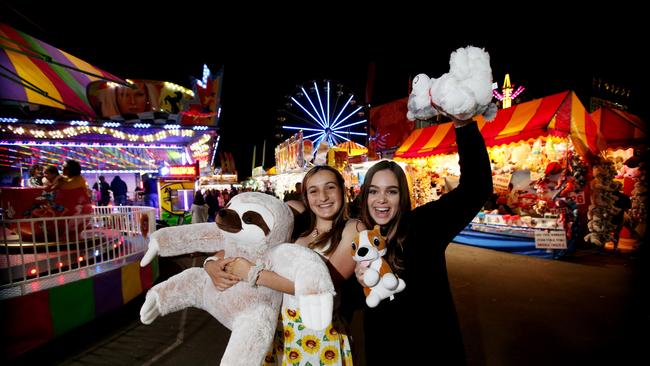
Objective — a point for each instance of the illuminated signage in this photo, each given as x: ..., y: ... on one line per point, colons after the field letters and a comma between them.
x: 179, y: 171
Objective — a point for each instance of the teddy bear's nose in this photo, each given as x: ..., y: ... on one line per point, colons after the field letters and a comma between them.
x: 362, y: 252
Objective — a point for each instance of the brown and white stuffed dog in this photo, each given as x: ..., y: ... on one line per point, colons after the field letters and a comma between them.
x: 368, y: 248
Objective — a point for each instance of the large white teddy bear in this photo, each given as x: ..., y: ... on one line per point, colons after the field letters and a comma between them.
x: 255, y: 226
x: 463, y: 92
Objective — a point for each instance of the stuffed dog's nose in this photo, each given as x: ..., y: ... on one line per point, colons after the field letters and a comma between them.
x: 362, y: 252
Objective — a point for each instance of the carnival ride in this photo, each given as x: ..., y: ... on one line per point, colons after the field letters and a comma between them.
x: 64, y: 267
x: 324, y: 111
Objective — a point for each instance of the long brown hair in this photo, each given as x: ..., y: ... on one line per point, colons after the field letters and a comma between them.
x: 396, y: 229
x: 334, y: 235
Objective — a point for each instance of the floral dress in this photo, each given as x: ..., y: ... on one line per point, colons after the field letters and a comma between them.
x: 295, y: 345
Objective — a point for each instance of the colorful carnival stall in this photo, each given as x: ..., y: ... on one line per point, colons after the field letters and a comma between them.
x: 620, y: 169
x: 538, y: 151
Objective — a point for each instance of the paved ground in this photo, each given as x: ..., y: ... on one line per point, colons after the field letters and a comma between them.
x: 514, y: 310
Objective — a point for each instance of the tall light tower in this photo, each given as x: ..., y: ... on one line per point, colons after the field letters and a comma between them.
x: 507, y: 94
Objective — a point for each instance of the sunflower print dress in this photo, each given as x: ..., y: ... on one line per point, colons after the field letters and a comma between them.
x: 295, y: 345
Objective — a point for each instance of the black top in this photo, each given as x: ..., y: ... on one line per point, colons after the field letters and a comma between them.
x: 421, y: 323
x: 104, y: 189
x: 118, y: 186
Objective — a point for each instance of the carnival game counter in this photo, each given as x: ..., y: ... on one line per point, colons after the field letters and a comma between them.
x: 509, y: 233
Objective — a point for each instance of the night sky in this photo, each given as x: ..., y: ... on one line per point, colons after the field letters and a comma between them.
x: 265, y: 57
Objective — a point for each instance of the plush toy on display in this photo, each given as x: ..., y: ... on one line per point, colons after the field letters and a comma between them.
x: 368, y: 248
x: 602, y: 209
x: 255, y: 226
x: 464, y: 92
x: 638, y: 212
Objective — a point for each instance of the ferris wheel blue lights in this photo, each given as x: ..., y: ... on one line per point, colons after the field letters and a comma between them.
x: 325, y: 115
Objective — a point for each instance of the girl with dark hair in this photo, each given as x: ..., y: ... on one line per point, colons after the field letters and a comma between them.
x: 417, y: 240
x: 327, y: 231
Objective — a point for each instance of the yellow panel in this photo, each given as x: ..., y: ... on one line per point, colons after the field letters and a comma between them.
x: 521, y: 116
x: 131, y: 283
x: 409, y: 141
x: 30, y: 72
x: 437, y: 137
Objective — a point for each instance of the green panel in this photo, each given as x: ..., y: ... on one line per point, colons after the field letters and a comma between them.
x: 72, y: 305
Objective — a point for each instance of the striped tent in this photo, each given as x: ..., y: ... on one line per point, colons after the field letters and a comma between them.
x: 620, y: 128
x: 560, y: 114
x: 352, y: 148
x: 33, y: 71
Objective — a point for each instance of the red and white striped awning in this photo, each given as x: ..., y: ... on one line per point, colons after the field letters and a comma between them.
x: 560, y: 114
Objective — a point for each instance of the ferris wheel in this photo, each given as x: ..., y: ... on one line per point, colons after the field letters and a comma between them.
x: 325, y: 111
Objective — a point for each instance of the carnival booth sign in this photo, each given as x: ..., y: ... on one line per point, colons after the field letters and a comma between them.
x: 176, y: 191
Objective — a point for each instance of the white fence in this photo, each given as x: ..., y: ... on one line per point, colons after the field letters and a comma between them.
x: 33, y: 251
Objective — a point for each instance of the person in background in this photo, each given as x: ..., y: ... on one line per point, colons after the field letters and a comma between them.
x: 213, y: 204
x: 119, y: 188
x: 45, y: 203
x: 72, y: 175
x: 295, y: 195
x: 51, y: 178
x: 416, y: 243
x: 35, y: 176
x: 104, y: 191
x: 199, y: 209
x: 151, y: 192
x: 322, y: 226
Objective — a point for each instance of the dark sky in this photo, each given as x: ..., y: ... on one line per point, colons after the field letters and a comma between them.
x: 265, y: 57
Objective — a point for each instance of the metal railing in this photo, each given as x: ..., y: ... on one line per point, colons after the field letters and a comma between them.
x: 33, y: 251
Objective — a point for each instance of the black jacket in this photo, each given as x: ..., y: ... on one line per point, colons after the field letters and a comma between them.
x: 426, y: 303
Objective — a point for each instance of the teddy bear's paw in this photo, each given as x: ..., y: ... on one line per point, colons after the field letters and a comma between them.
x: 373, y: 300
x: 389, y: 281
x: 149, y: 311
x: 370, y: 277
x: 401, y: 285
x: 152, y: 252
x: 316, y: 310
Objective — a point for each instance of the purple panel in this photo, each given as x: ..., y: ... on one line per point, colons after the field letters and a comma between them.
x: 58, y: 56
x: 108, y: 291
x: 9, y: 89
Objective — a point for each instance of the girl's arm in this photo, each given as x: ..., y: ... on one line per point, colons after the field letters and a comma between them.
x: 454, y: 210
x: 241, y: 267
x: 340, y: 263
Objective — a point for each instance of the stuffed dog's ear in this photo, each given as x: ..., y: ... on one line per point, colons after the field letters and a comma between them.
x: 383, y: 231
